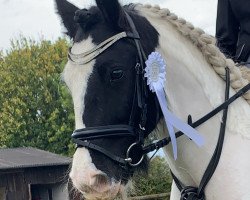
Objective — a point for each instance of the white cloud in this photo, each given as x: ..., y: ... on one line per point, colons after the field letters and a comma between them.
x: 36, y: 18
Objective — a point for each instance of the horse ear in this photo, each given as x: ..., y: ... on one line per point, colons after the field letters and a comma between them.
x: 113, y: 13
x: 67, y: 11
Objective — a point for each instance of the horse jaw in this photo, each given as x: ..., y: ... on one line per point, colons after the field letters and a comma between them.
x: 194, y: 88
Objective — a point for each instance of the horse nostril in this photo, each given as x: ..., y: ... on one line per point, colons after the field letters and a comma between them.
x: 101, y: 179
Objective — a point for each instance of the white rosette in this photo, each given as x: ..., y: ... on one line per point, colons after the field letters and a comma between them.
x: 155, y: 71
x: 156, y: 77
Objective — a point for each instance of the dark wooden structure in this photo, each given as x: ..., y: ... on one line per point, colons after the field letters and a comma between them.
x: 32, y: 174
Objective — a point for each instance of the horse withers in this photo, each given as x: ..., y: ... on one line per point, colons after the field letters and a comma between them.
x: 115, y: 111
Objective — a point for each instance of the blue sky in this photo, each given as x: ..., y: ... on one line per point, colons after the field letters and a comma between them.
x: 37, y: 18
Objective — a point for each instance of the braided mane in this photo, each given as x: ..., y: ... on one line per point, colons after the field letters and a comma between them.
x: 240, y: 76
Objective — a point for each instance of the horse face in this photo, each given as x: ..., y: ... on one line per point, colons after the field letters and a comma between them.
x: 102, y: 92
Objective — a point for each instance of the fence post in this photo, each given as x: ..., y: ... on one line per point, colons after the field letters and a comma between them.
x: 152, y: 197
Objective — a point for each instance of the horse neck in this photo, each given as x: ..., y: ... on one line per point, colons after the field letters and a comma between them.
x: 193, y: 87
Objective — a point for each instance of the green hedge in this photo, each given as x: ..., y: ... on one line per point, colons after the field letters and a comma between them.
x: 157, y: 180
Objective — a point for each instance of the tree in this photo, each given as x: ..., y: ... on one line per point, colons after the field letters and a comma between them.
x: 35, y: 109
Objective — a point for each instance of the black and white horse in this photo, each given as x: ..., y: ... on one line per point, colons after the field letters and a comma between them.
x: 102, y: 80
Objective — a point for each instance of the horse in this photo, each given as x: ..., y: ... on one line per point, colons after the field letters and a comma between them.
x: 115, y: 110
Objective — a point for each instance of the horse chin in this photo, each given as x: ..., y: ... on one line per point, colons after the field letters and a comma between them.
x: 97, y: 191
x: 91, y: 182
x: 104, y: 192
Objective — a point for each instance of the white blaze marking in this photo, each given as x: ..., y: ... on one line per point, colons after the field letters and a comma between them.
x: 83, y: 169
x: 76, y: 77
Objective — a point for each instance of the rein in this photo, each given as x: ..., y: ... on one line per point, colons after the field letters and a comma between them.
x: 189, y: 192
x: 164, y: 142
x: 136, y: 129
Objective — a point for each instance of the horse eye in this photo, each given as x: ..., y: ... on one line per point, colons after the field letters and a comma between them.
x: 116, y: 74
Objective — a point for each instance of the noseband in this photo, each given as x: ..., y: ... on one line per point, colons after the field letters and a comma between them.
x: 136, y: 129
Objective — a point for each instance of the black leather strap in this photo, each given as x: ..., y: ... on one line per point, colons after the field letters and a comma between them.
x: 193, y: 193
x: 167, y: 140
x: 101, y: 150
x: 103, y: 132
x: 217, y: 153
x: 81, y: 137
x: 141, y: 85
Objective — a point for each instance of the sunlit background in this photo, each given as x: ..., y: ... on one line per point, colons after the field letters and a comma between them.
x: 37, y: 18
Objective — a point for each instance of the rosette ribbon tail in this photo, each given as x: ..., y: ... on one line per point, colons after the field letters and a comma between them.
x: 173, y: 122
x: 156, y: 77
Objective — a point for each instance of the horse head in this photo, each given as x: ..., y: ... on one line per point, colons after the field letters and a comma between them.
x: 105, y: 83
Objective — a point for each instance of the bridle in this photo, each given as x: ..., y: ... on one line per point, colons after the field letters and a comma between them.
x: 135, y: 129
